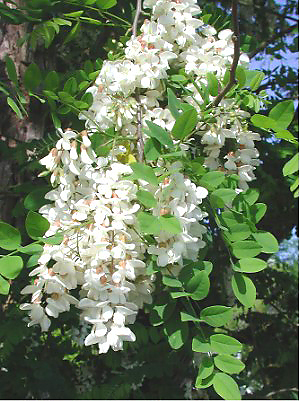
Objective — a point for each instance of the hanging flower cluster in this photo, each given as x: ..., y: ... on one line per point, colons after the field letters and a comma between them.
x: 95, y: 202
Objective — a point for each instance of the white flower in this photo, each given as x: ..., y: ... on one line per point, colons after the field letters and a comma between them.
x: 37, y: 315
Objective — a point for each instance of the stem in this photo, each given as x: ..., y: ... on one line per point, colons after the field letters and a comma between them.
x: 136, y: 18
x: 236, y: 55
x: 116, y: 17
x: 272, y: 39
x: 189, y: 307
x: 101, y: 12
x: 140, y: 141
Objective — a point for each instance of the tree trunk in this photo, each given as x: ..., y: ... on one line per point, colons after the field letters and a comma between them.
x: 14, y: 130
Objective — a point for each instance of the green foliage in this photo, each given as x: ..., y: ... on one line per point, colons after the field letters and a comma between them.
x: 186, y: 310
x: 185, y: 123
x: 10, y: 237
x: 226, y: 387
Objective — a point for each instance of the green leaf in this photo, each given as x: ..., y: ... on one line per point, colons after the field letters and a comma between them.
x: 87, y: 98
x: 50, y: 94
x: 256, y: 80
x: 213, y: 84
x: 36, y: 225
x: 187, y: 317
x: 146, y: 198
x: 245, y: 249
x: 61, y: 21
x: 83, y: 85
x: 283, y: 113
x: 162, y: 311
x: 14, y: 107
x: 246, y: 198
x: 179, y: 294
x: 204, y: 383
x: 240, y: 75
x: 262, y: 121
x: 36, y: 199
x: 10, y: 266
x: 228, y: 364
x: 31, y: 249
x: 157, y: 132
x: 10, y: 237
x: 238, y: 232
x: 198, y: 285
x: 33, y: 260
x: 91, y: 21
x: 223, y: 344
x: 74, y: 14
x: 71, y: 86
x: 171, y: 282
x: 216, y: 315
x: 106, y: 4
x: 206, y: 367
x: 185, y: 123
x: 177, y: 332
x: 55, y: 239
x: 88, y: 66
x: 286, y: 135
x: 4, y: 286
x: 222, y: 196
x: 81, y: 105
x: 226, y: 387
x: 291, y: 166
x: 152, y: 149
x: 11, y: 70
x: 56, y: 120
x: 32, y: 77
x: 231, y: 218
x: 267, y: 241
x: 148, y: 224
x: 212, y: 180
x: 250, y: 265
x: 143, y: 172
x: 178, y: 78
x: 170, y: 224
x: 258, y: 211
x: 66, y: 97
x: 74, y: 31
x: 173, y: 103
x: 244, y: 289
x: 200, y: 344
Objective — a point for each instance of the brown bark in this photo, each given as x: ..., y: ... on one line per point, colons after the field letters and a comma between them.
x: 12, y: 128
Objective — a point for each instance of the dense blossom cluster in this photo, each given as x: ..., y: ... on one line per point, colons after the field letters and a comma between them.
x: 101, y: 259
x: 95, y: 207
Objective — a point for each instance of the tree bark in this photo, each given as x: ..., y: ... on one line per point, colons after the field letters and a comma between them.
x: 13, y: 129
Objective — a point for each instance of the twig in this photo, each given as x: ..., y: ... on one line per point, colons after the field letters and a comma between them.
x: 280, y: 15
x: 272, y: 39
x: 136, y: 18
x: 140, y: 141
x: 283, y: 390
x: 236, y: 54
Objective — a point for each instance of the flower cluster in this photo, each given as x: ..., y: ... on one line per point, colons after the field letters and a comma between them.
x: 95, y: 208
x: 100, y: 266
x: 175, y: 38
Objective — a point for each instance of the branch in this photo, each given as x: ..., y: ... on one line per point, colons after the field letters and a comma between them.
x: 236, y: 54
x: 284, y: 390
x: 137, y: 15
x: 140, y: 141
x: 280, y: 15
x: 272, y: 39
